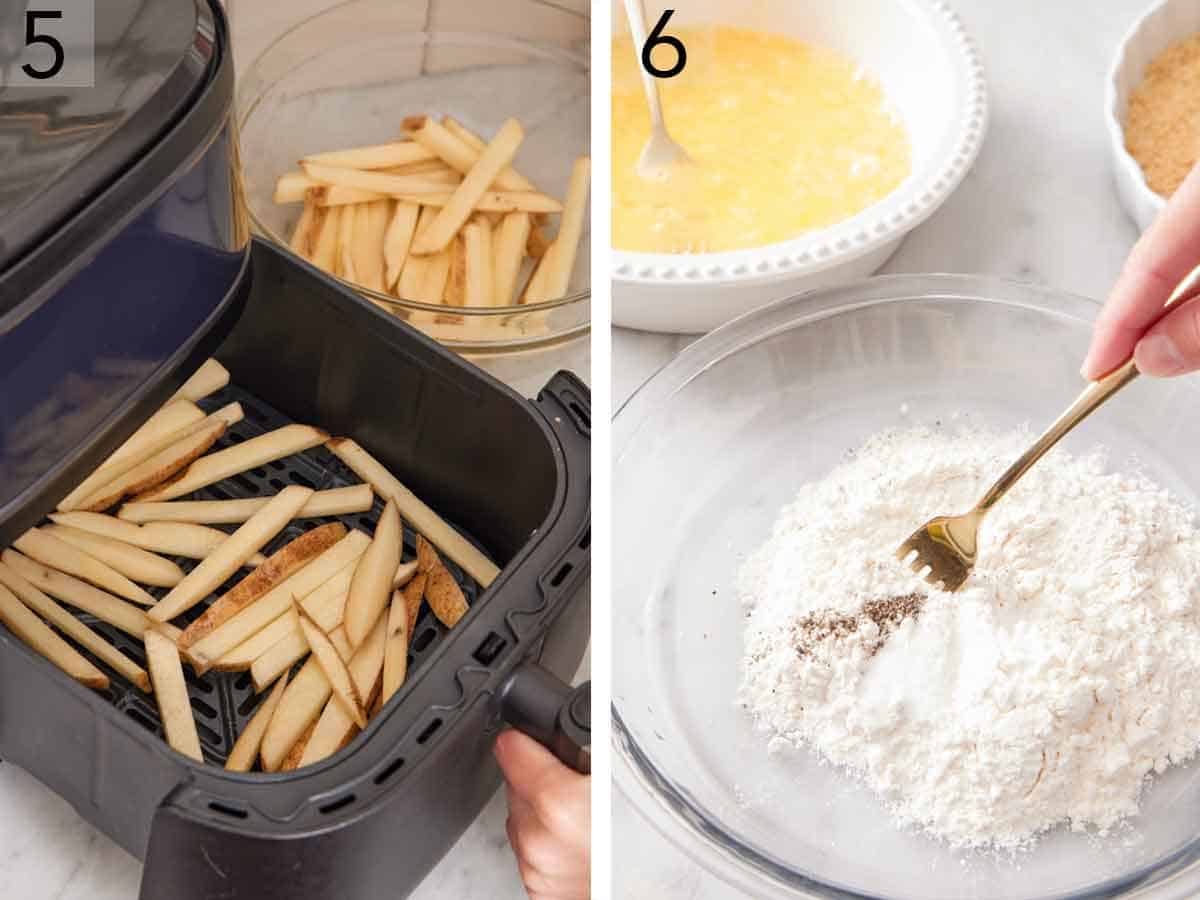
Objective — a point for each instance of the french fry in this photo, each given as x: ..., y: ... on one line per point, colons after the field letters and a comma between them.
x: 377, y: 182
x: 79, y: 594
x: 157, y: 432
x: 493, y: 201
x: 458, y: 153
x: 278, y: 659
x: 538, y: 244
x: 266, y: 609
x: 292, y: 760
x: 370, y: 226
x: 376, y: 156
x: 245, y: 750
x: 231, y: 555
x: 414, y: 595
x: 335, y: 726
x: 508, y: 253
x: 172, y: 538
x: 456, y: 279
x: 395, y: 660
x: 566, y: 245
x: 535, y: 289
x: 280, y: 566
x: 404, y: 573
x: 340, y: 679
x: 345, y: 242
x: 134, y: 563
x: 412, y: 274
x: 242, y: 657
x: 330, y: 195
x: 72, y: 627
x: 160, y: 467
x: 324, y: 255
x: 334, y: 502
x: 21, y: 621
x: 477, y: 242
x: 257, y: 451
x: 290, y: 187
x: 327, y: 604
x: 432, y: 167
x: 170, y: 690
x: 298, y: 708
x: 49, y: 550
x: 427, y: 557
x: 414, y: 511
x: 206, y: 380
x: 371, y: 587
x: 445, y: 596
x: 494, y: 159
x: 300, y: 242
x: 397, y: 240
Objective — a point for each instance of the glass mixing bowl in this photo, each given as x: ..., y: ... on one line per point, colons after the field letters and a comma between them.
x: 348, y: 76
x: 706, y: 453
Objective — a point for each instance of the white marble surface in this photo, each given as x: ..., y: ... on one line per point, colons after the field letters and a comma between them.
x: 1039, y: 206
x: 47, y: 852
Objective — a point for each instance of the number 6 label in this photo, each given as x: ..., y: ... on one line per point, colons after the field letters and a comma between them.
x: 55, y: 40
x: 657, y: 38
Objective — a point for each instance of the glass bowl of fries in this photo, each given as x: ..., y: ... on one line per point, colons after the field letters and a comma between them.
x: 434, y: 155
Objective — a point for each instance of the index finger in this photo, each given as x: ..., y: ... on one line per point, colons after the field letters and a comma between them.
x: 1157, y: 263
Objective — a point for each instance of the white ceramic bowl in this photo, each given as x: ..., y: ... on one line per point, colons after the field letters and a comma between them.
x: 1162, y: 25
x: 931, y: 73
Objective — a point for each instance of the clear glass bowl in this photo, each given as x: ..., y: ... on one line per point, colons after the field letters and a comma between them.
x: 348, y: 76
x: 706, y: 453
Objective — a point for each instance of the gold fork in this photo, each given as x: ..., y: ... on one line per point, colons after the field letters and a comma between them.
x: 947, y: 545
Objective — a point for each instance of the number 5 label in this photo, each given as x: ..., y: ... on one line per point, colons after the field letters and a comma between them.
x: 54, y: 42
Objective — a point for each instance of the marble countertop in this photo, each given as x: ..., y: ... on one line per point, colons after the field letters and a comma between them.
x: 1038, y: 206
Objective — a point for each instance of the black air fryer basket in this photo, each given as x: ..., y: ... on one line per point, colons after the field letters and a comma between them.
x: 106, y: 306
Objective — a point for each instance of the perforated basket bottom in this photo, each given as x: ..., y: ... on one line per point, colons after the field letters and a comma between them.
x: 223, y: 702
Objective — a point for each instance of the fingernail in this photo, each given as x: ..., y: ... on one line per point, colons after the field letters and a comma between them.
x: 1158, y: 356
x: 1086, y: 369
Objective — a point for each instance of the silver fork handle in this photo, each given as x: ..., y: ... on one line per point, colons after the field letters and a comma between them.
x: 636, y: 14
x: 1085, y: 404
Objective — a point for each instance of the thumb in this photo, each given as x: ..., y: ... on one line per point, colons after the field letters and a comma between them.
x: 528, y: 767
x: 1172, y: 346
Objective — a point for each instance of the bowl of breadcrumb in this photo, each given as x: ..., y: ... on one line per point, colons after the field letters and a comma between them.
x: 1152, y: 107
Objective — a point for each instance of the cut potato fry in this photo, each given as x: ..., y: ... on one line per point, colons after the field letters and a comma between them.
x: 336, y: 726
x: 458, y: 153
x: 372, y: 584
x: 132, y: 562
x: 493, y: 201
x: 245, y: 750
x: 266, y: 609
x: 370, y: 226
x: 40, y: 637
x: 538, y: 244
x: 327, y: 604
x: 415, y: 512
x: 508, y: 253
x: 329, y: 225
x: 376, y: 156
x: 301, y: 241
x: 79, y: 594
x: 404, y: 574
x: 397, y: 240
x: 233, y: 553
x: 340, y: 680
x: 290, y: 187
x: 279, y: 658
x: 208, y: 379
x: 257, y: 451
x: 298, y: 708
x: 159, y: 430
x: 566, y: 245
x: 242, y: 657
x: 280, y: 566
x: 334, y: 502
x: 427, y: 557
x: 160, y: 467
x: 494, y: 159
x: 170, y: 690
x: 345, y: 242
x: 292, y: 760
x: 41, y: 604
x: 395, y: 660
x: 477, y: 242
x: 377, y: 182
x: 456, y: 280
x: 445, y: 596
x: 41, y: 546
x: 172, y: 538
x: 414, y: 595
x: 332, y: 195
x: 412, y: 274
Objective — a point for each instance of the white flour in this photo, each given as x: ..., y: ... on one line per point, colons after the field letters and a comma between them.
x: 1044, y: 692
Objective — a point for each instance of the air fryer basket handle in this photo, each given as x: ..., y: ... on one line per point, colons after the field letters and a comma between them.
x: 550, y: 711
